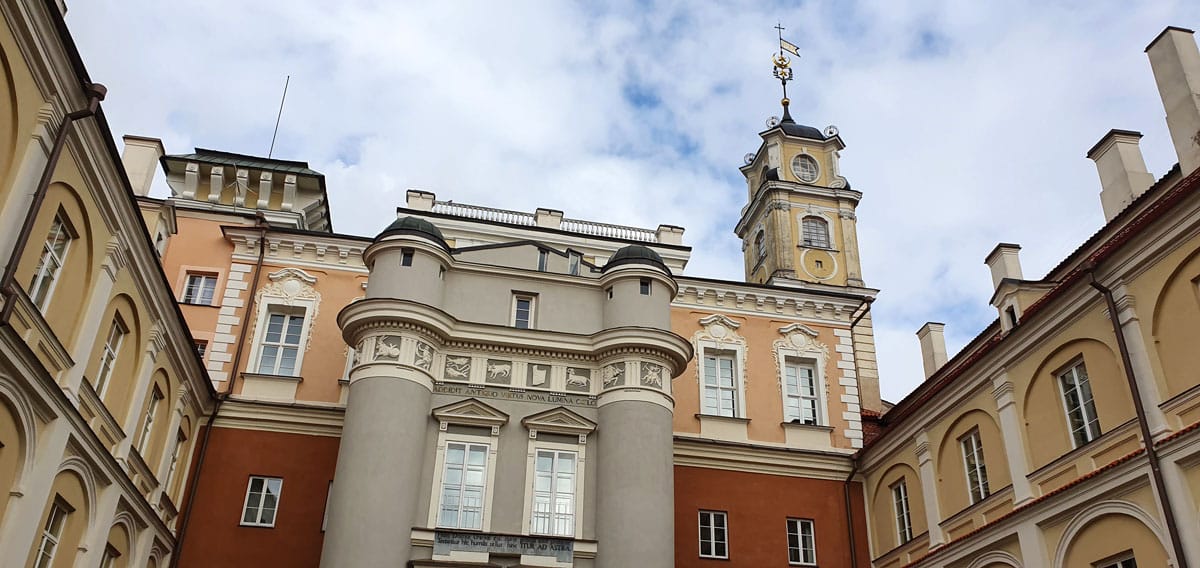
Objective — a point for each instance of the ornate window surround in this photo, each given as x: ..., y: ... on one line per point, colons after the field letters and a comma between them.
x: 556, y: 421
x: 289, y: 288
x: 799, y: 342
x: 469, y: 412
x: 719, y: 333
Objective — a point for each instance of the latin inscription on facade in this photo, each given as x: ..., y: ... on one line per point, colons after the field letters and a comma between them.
x: 514, y: 394
x: 446, y: 542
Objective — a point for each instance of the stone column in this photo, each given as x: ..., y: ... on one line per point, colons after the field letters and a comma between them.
x: 850, y: 247
x: 1014, y: 440
x: 635, y: 501
x: 1143, y: 373
x: 1183, y: 506
x: 1033, y: 546
x: 376, y: 484
x: 933, y: 516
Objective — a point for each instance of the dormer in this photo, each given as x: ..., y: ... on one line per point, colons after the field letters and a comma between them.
x: 1012, y: 292
x: 287, y: 193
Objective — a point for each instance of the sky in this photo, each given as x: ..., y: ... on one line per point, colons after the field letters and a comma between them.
x: 966, y: 123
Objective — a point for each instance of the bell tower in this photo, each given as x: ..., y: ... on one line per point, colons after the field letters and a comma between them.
x: 799, y: 222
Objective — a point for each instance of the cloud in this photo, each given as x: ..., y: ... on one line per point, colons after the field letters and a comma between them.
x: 966, y: 123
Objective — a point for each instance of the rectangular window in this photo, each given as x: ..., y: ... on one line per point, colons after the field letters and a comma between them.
x: 977, y: 480
x: 1081, y: 409
x: 573, y: 263
x: 406, y: 256
x: 1011, y: 313
x: 1129, y: 562
x: 262, y: 500
x: 49, y: 267
x: 644, y: 287
x: 464, y: 479
x: 714, y: 535
x: 108, y: 357
x: 522, y: 312
x: 201, y: 347
x: 281, y: 343
x: 200, y: 289
x: 543, y: 260
x: 720, y: 384
x: 900, y: 506
x: 51, y: 533
x: 800, y: 393
x: 802, y: 545
x: 180, y: 441
x: 156, y: 397
x: 609, y: 292
x: 553, y: 511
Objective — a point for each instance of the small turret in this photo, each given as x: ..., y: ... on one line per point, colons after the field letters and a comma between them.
x: 639, y: 289
x: 408, y: 261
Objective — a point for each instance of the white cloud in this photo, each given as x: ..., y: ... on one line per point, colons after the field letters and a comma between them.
x: 966, y: 124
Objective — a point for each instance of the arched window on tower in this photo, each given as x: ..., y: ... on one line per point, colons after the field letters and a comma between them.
x: 815, y: 231
x: 760, y: 246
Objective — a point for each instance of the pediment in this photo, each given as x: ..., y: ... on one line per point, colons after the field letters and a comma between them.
x: 721, y: 319
x: 559, y: 421
x: 470, y: 412
x: 798, y: 327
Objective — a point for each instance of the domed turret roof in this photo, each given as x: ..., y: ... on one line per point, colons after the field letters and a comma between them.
x: 801, y: 131
x: 636, y: 254
x: 413, y: 226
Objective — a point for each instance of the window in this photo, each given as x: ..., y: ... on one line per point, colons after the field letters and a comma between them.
x: 108, y: 357
x: 281, y: 342
x: 262, y: 500
x: 543, y: 260
x: 406, y: 256
x: 51, y: 533
x: 49, y: 267
x: 804, y: 167
x: 800, y: 402
x: 977, y: 480
x: 156, y: 397
x: 464, y: 480
x: 1011, y: 313
x: 522, y: 312
x: 802, y: 547
x: 1081, y: 409
x: 180, y: 441
x: 900, y: 505
x: 644, y: 286
x: 609, y: 292
x: 573, y: 263
x: 200, y: 289
x: 1128, y: 562
x: 553, y: 511
x: 720, y: 384
x: 760, y: 247
x: 110, y: 557
x: 201, y: 347
x: 714, y: 536
x: 815, y: 232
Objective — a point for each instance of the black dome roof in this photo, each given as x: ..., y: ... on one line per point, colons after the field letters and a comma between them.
x: 799, y: 130
x: 636, y: 254
x: 413, y: 225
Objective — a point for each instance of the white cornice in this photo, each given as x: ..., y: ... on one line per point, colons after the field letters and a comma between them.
x: 310, y: 419
x: 698, y: 452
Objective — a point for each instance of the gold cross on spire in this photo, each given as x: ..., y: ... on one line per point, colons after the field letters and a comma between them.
x: 783, y: 69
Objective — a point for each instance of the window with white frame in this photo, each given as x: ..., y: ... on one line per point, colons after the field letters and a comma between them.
x: 279, y: 348
x: 802, y: 544
x: 464, y: 483
x: 522, y: 311
x: 977, y: 479
x: 815, y: 232
x: 1127, y: 562
x: 109, y: 559
x: 51, y: 533
x: 543, y: 262
x: 720, y: 383
x: 200, y: 289
x: 156, y: 398
x: 50, y: 264
x: 201, y: 347
x: 262, y: 501
x: 900, y: 507
x: 800, y: 400
x: 180, y: 441
x: 553, y: 510
x: 1079, y: 405
x: 108, y: 356
x: 573, y: 261
x: 714, y: 535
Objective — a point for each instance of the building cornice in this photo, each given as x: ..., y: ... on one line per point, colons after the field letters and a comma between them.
x: 692, y: 451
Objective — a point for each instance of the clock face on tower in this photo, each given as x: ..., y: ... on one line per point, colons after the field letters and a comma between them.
x: 804, y: 167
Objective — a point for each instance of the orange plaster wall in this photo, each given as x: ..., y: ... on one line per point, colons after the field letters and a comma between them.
x: 199, y: 246
x: 764, y: 398
x: 758, y: 506
x: 305, y: 463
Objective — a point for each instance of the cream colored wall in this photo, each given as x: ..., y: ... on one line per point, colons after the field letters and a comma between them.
x: 20, y: 101
x: 12, y: 453
x: 118, y: 539
x: 884, y: 534
x: 1170, y: 320
x: 69, y: 488
x: 977, y: 413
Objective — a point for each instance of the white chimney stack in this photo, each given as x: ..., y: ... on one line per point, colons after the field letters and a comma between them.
x: 140, y: 158
x: 933, y: 346
x: 1005, y: 263
x: 1176, y: 64
x: 1123, y: 174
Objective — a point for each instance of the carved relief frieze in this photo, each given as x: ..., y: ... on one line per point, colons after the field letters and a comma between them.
x: 499, y: 371
x: 458, y: 368
x: 387, y: 348
x: 652, y: 375
x: 423, y: 356
x: 612, y: 375
x: 579, y: 379
x: 538, y: 375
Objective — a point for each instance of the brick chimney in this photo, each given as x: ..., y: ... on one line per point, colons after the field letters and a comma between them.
x: 1176, y: 64
x: 1123, y: 174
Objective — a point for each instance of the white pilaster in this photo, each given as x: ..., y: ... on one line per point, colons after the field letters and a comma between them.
x: 1033, y: 547
x: 1143, y: 374
x: 933, y: 516
x: 132, y: 421
x: 92, y: 329
x: 1014, y: 439
x: 1179, y: 494
x: 20, y: 196
x: 27, y: 501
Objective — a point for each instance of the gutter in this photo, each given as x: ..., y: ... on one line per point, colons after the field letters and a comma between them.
x: 194, y: 482
x: 1160, y: 486
x: 95, y: 92
x: 866, y: 304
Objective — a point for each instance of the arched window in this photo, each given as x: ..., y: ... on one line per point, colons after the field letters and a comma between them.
x: 815, y: 232
x: 760, y: 247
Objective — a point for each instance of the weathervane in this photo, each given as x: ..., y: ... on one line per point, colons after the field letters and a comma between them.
x: 783, y: 69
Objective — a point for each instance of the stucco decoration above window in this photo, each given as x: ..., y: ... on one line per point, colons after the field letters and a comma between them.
x: 290, y: 287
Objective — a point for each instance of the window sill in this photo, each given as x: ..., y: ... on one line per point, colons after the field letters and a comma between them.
x: 811, y: 436
x: 197, y: 304
x: 275, y: 388
x: 254, y: 526
x: 725, y: 428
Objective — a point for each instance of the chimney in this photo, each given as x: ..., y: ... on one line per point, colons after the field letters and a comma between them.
x: 933, y: 346
x: 140, y: 158
x: 1123, y: 175
x: 1176, y: 64
x: 420, y: 200
x: 1005, y: 263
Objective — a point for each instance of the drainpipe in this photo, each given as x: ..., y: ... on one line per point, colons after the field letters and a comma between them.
x: 194, y: 482
x: 1147, y: 441
x: 866, y: 303
x: 95, y: 92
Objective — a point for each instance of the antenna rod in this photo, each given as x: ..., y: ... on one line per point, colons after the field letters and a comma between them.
x: 278, y: 116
